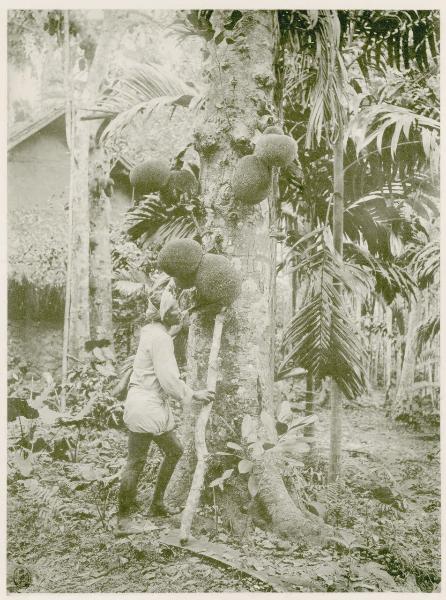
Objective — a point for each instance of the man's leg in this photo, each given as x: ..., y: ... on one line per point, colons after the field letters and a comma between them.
x: 138, y: 446
x: 172, y: 450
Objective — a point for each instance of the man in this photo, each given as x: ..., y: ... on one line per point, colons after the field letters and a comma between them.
x: 147, y: 413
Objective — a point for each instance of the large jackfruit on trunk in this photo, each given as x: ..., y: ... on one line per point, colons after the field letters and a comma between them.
x: 241, y: 81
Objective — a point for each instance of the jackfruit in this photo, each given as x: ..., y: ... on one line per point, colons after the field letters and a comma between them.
x: 183, y: 182
x: 185, y: 283
x: 150, y: 176
x: 276, y: 150
x: 274, y: 129
x: 180, y: 258
x: 251, y: 180
x: 216, y: 281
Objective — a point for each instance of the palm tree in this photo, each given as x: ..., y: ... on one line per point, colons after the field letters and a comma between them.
x: 325, y: 117
x: 425, y: 263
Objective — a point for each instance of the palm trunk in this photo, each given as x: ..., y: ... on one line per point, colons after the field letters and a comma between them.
x: 334, y: 468
x: 78, y: 307
x: 388, y: 349
x: 375, y: 346
x: 101, y: 323
x: 403, y: 398
x: 272, y: 303
x: 246, y: 376
x: 69, y: 135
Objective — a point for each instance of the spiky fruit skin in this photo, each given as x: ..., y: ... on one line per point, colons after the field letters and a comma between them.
x: 150, y: 176
x: 251, y: 180
x: 185, y: 283
x: 216, y: 281
x: 180, y: 258
x: 183, y: 182
x: 276, y: 150
x: 274, y: 129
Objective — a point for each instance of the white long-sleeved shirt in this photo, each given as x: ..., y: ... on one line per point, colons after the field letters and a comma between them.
x: 155, y: 377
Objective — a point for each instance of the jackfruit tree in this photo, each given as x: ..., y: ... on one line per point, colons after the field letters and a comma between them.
x: 241, y: 142
x: 240, y: 71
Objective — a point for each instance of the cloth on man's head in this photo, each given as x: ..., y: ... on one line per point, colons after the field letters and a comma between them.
x: 152, y: 313
x: 166, y: 303
x: 158, y: 305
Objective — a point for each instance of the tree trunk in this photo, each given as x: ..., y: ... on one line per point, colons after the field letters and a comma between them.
x: 403, y: 398
x: 388, y: 349
x: 78, y: 330
x: 334, y: 467
x: 375, y: 345
x: 79, y: 318
x: 241, y: 80
x: 68, y: 134
x: 101, y: 323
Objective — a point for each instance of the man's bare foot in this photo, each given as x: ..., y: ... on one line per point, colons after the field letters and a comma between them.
x: 159, y: 509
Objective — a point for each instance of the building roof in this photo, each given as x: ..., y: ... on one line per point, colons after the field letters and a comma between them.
x: 18, y: 136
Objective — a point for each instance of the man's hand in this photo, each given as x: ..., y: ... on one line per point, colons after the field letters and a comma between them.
x: 205, y: 396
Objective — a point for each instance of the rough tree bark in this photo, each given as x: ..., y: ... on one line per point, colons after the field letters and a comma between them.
x: 241, y: 82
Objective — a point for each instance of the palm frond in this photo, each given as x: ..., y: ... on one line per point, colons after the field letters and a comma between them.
x: 313, y: 256
x: 392, y: 127
x: 404, y: 38
x: 156, y: 219
x: 321, y: 338
x: 142, y: 82
x: 390, y: 278
x: 425, y: 263
x: 324, y: 342
x: 380, y: 217
x: 427, y: 331
x: 317, y: 77
x: 145, y: 88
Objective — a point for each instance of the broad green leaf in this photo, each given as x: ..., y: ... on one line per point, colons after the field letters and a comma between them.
x: 227, y: 474
x: 253, y: 485
x: 245, y: 466
x: 256, y: 449
x: 234, y: 446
